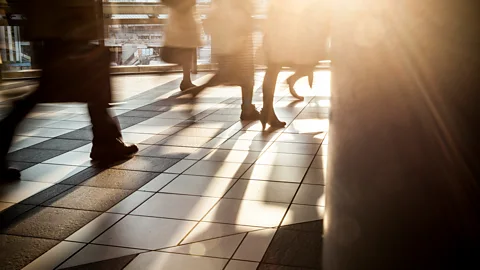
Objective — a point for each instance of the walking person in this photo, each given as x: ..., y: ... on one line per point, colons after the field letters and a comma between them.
x: 76, y: 71
x: 183, y: 37
x: 230, y: 24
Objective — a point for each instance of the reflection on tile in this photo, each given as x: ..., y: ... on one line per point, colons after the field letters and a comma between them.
x: 315, y: 177
x: 166, y: 151
x: 275, y: 173
x: 255, y: 245
x: 294, y: 148
x: 15, y: 192
x: 171, y: 261
x: 199, y: 153
x: 131, y: 202
x: 71, y: 158
x: 301, y: 138
x: 181, y: 166
x: 158, y: 182
x: 218, y: 169
x: 207, y: 230
x: 186, y: 141
x: 146, y: 233
x: 95, y: 253
x: 256, y: 135
x: 50, y: 173
x: 44, y: 132
x: 245, y: 145
x: 250, y: 213
x: 222, y: 247
x: 303, y: 213
x: 20, y: 142
x: 241, y: 265
x: 147, y: 164
x: 55, y: 256
x: 232, y: 156
x: 199, y: 185
x: 311, y: 195
x: 283, y: 159
x: 176, y: 206
x: 263, y: 191
x: 94, y: 228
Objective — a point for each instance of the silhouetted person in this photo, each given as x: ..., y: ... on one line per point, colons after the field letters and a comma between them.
x: 231, y: 25
x: 73, y: 71
x: 182, y: 37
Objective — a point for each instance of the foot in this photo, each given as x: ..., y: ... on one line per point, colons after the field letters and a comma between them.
x: 269, y: 117
x: 186, y: 85
x: 249, y: 113
x: 291, y: 87
x: 111, y: 153
x: 9, y: 174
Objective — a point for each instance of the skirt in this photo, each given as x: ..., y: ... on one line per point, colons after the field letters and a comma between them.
x: 238, y: 69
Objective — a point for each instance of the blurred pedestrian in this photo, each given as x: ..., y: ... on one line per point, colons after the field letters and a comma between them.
x: 73, y: 71
x: 230, y: 24
x: 183, y: 36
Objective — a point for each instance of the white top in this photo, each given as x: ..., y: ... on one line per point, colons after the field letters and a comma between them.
x: 183, y: 29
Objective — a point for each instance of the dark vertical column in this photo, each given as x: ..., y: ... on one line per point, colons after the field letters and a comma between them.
x: 403, y: 168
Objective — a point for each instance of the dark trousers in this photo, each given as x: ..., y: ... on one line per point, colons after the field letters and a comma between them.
x: 105, y: 128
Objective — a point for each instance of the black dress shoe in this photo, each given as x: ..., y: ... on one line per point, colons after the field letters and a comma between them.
x: 9, y: 174
x: 113, y: 152
x: 249, y: 113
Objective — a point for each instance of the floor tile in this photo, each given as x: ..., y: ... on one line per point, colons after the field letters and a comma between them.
x: 68, y: 125
x: 308, y: 126
x: 217, y: 169
x: 61, y: 144
x: 232, y: 156
x: 294, y: 148
x: 153, y: 139
x: 95, y: 253
x: 17, y: 251
x: 50, y: 173
x: 266, y: 266
x: 71, y: 158
x: 8, y: 215
x: 176, y: 206
x: 84, y: 134
x: 55, y: 256
x: 171, y: 261
x: 146, y: 233
x: 323, y: 150
x: 4, y: 206
x: 147, y: 164
x: 262, y: 191
x: 21, y: 165
x: 311, y: 195
x: 249, y: 213
x: 33, y: 155
x: 46, y: 194
x: 44, y: 132
x: 315, y: 176
x: 145, y: 129
x: 130, y: 202
x: 256, y: 135
x: 136, y: 138
x: 120, y: 179
x: 166, y: 151
x: 89, y: 198
x: 199, y: 185
x: 207, y: 230
x: 87, y: 173
x: 241, y: 265
x: 303, y: 213
x: 301, y: 138
x: 181, y: 166
x: 200, y: 132
x: 15, y: 192
x: 50, y: 223
x: 245, y: 145
x: 275, y: 173
x: 21, y: 142
x: 199, y: 153
x: 186, y: 141
x: 158, y: 182
x: 254, y: 245
x: 283, y: 159
x: 93, y: 229
x: 320, y: 162
x: 222, y: 247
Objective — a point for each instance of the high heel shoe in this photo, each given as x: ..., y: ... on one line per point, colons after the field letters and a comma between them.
x: 269, y: 117
x: 291, y: 87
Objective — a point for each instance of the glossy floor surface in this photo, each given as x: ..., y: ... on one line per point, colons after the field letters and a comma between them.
x: 205, y: 191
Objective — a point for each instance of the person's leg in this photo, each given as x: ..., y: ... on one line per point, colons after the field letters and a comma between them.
x: 107, y: 138
x: 249, y: 112
x: 300, y: 72
x: 269, y: 82
x: 20, y: 110
x: 187, y: 58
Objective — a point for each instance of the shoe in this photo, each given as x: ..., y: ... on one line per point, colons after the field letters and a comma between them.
x: 269, y: 117
x: 9, y: 174
x: 111, y: 153
x: 249, y: 113
x: 310, y: 79
x: 291, y: 87
x: 186, y: 85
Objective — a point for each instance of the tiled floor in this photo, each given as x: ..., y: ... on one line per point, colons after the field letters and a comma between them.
x: 206, y: 191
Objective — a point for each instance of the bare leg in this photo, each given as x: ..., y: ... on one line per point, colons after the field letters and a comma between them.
x: 187, y: 69
x: 269, y: 82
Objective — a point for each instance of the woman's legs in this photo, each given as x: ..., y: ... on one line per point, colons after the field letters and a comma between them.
x: 300, y: 72
x: 186, y: 63
x: 269, y: 82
